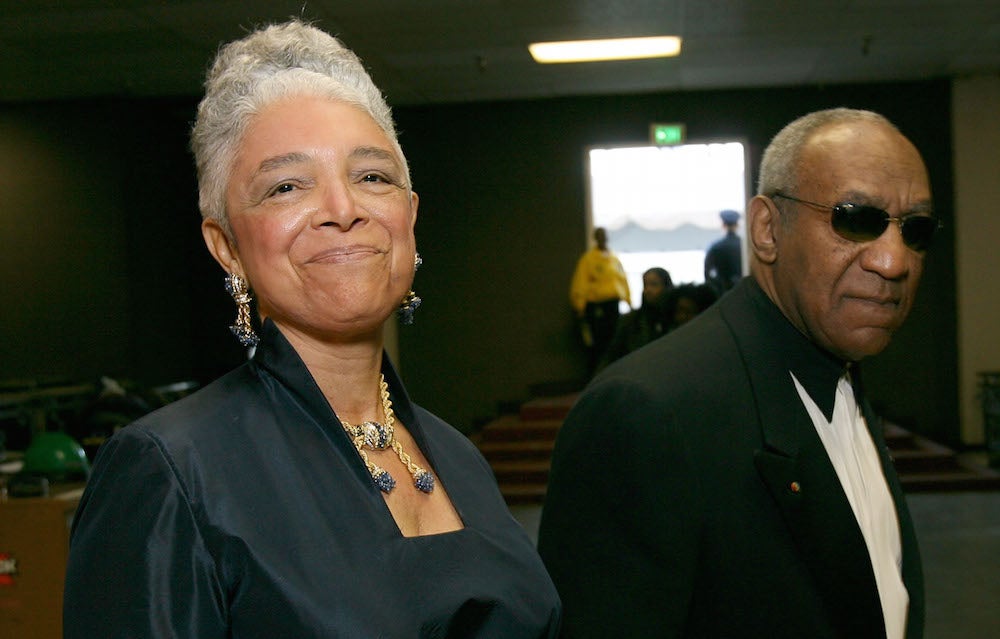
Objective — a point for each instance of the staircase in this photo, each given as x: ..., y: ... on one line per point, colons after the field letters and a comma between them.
x: 519, y: 449
x: 926, y: 466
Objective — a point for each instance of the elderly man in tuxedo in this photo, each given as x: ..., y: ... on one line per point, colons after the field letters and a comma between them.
x: 731, y: 480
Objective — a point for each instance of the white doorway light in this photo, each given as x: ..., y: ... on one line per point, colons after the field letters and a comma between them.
x: 660, y: 204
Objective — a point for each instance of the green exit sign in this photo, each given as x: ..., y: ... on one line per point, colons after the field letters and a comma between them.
x: 665, y: 134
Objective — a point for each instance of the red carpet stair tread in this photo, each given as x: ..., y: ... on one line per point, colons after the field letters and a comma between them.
x: 926, y: 466
x: 519, y: 449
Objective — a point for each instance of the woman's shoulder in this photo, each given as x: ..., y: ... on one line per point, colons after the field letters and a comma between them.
x: 216, y: 406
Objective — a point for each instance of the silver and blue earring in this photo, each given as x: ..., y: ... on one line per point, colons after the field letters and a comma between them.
x: 411, y: 302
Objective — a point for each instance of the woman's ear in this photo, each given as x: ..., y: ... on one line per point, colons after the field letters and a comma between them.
x: 763, y: 222
x: 414, y: 204
x: 221, y: 247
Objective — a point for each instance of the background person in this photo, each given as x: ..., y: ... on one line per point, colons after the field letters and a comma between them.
x: 687, y: 301
x: 731, y: 480
x: 724, y: 258
x: 303, y: 494
x: 598, y: 287
x: 646, y: 323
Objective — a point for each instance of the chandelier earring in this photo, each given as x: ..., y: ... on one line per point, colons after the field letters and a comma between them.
x: 410, y: 302
x: 236, y: 286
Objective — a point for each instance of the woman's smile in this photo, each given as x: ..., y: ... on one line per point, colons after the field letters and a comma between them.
x: 345, y: 254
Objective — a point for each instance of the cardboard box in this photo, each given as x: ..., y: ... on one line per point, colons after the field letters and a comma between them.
x: 34, y: 545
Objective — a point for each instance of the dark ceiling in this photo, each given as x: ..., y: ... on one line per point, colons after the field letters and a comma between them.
x: 435, y: 51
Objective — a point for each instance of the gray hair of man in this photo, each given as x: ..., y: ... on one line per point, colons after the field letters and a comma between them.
x: 275, y: 62
x: 779, y: 164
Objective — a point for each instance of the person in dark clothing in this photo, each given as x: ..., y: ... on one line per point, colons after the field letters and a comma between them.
x: 731, y: 479
x: 687, y: 301
x: 302, y: 494
x: 649, y: 321
x: 724, y: 259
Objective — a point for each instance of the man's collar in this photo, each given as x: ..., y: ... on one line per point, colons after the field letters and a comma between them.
x: 816, y: 369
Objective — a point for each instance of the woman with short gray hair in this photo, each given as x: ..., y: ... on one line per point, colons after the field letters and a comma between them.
x: 303, y: 494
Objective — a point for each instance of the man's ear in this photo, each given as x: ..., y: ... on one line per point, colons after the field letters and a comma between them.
x: 221, y: 247
x: 763, y: 222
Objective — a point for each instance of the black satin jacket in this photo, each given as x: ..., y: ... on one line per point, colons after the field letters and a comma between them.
x: 689, y: 486
x: 245, y: 511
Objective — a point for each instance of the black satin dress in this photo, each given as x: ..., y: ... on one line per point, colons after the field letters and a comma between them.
x: 245, y: 511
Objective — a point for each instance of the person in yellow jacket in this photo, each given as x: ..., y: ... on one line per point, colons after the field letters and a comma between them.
x: 599, y: 284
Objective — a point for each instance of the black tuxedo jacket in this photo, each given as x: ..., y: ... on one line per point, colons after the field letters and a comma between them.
x: 690, y: 495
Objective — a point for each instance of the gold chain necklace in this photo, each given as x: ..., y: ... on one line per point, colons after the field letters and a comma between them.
x: 375, y: 436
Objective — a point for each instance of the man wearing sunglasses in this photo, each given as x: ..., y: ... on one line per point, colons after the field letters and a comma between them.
x: 731, y: 480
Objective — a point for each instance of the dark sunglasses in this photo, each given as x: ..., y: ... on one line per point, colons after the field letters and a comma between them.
x: 862, y: 223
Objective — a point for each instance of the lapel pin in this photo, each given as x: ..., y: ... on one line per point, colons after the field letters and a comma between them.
x: 795, y: 487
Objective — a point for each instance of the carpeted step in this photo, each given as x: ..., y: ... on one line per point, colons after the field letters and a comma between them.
x: 915, y: 462
x: 926, y: 466
x: 968, y: 479
x: 522, y: 493
x: 513, y: 428
x: 522, y: 471
x: 524, y: 449
x: 898, y: 438
x: 547, y: 408
x: 936, y: 459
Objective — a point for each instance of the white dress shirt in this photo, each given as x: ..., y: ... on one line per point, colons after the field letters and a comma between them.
x: 852, y: 452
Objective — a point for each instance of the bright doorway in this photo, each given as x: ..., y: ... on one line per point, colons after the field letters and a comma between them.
x: 660, y: 204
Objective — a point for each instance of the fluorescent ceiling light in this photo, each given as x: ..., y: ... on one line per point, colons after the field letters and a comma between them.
x: 612, y: 49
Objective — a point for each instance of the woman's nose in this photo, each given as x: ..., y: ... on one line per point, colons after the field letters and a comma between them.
x: 339, y: 208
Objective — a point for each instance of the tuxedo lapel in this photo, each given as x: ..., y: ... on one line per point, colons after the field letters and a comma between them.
x: 794, y: 466
x: 813, y: 505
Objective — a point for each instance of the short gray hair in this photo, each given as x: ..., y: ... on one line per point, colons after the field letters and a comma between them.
x: 271, y: 63
x: 779, y: 164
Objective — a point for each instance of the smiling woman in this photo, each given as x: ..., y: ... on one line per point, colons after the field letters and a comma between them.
x: 303, y: 494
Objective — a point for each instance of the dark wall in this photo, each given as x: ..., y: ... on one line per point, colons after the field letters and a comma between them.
x: 104, y: 271
x: 61, y: 215
x: 102, y: 265
x: 502, y: 222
